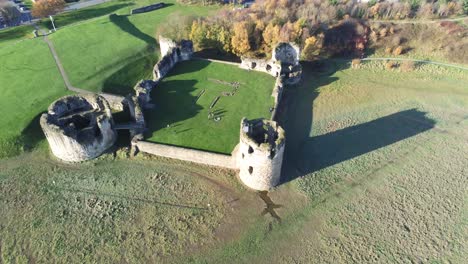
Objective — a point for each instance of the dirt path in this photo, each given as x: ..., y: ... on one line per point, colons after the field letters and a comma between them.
x: 64, y: 75
x: 407, y: 59
x: 419, y: 21
x: 68, y: 85
x: 421, y: 61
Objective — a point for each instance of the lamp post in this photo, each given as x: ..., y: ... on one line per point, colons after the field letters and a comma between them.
x: 52, y: 20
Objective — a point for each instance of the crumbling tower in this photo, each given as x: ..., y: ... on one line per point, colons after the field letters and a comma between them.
x: 79, y: 127
x: 260, y: 153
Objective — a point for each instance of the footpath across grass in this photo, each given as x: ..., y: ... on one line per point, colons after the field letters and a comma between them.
x: 29, y: 82
x: 98, y: 52
x: 183, y: 101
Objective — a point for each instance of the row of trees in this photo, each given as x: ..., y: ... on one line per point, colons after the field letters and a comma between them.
x: 320, y: 27
x: 45, y: 8
x: 256, y: 30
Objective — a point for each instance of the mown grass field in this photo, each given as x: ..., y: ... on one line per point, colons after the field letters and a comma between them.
x: 29, y: 82
x: 375, y: 171
x: 15, y: 34
x: 189, y: 126
x: 128, y: 52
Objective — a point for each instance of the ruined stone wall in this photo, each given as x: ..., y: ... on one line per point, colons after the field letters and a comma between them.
x: 171, y: 54
x: 79, y: 127
x: 262, y: 65
x: 143, y: 92
x: 286, y: 53
x: 115, y: 101
x: 197, y: 156
x: 277, y: 94
x: 136, y: 114
x: 260, y: 153
x: 284, y: 62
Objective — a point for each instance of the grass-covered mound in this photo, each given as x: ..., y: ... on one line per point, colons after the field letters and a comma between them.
x: 184, y: 97
x: 112, y: 53
x: 29, y: 82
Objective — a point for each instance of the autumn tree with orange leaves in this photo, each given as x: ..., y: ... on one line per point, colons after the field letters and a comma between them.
x: 45, y: 8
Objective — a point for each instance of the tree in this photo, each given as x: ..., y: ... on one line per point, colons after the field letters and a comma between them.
x: 240, y: 39
x: 9, y: 12
x: 271, y: 35
x: 178, y: 27
x: 198, y: 34
x: 465, y: 7
x: 45, y: 8
x: 311, y: 49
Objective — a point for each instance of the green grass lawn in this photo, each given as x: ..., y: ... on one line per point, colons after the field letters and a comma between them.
x: 67, y: 18
x: 15, y: 34
x: 29, y: 82
x: 113, y: 52
x: 100, y: 211
x: 382, y: 160
x: 176, y: 104
x: 382, y: 157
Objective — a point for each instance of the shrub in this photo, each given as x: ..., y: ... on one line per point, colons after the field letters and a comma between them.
x: 396, y: 41
x: 388, y: 50
x: 389, y: 65
x: 383, y: 32
x: 356, y: 63
x: 408, y: 66
x: 398, y: 51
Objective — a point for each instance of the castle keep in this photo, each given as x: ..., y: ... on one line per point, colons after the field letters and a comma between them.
x: 81, y: 127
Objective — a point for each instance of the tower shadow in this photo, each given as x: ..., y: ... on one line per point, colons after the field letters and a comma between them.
x: 124, y: 24
x: 305, y: 154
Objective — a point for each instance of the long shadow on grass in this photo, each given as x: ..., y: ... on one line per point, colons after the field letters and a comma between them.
x: 124, y: 24
x: 173, y: 103
x: 305, y: 154
x: 122, y: 81
x: 74, y: 16
x: 32, y: 134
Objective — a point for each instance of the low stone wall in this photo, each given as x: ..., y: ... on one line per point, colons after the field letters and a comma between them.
x: 148, y: 8
x: 192, y: 155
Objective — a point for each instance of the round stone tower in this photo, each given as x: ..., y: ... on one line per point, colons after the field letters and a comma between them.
x: 79, y: 127
x: 260, y: 153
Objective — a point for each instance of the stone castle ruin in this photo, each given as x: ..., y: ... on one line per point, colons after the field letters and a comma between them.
x: 284, y: 63
x: 81, y: 127
x: 171, y: 54
x: 260, y: 153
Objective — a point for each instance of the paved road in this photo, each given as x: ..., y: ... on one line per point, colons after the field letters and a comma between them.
x: 84, y: 4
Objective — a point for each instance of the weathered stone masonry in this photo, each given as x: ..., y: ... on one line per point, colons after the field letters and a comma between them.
x: 260, y: 153
x: 81, y: 127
